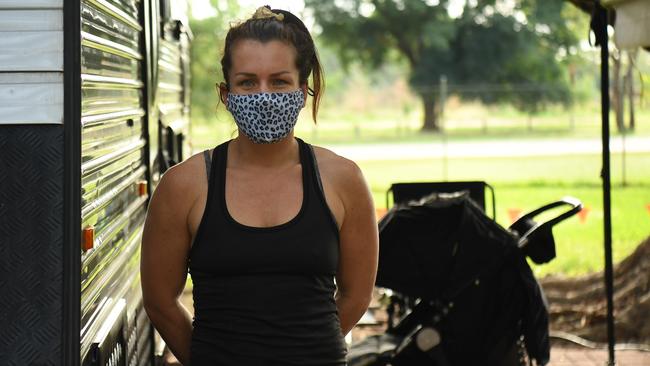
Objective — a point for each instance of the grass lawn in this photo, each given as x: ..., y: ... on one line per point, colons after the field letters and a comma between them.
x: 525, y: 184
x: 579, y: 240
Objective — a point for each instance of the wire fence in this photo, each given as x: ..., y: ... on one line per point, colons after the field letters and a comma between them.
x: 396, y: 112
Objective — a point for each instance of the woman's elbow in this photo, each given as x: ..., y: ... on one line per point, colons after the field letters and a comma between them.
x: 158, y: 309
x: 152, y: 309
x: 358, y: 299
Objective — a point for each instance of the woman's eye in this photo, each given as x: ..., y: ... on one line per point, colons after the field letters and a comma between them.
x: 246, y: 82
x: 280, y: 82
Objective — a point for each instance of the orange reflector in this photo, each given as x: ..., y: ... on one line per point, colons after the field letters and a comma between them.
x: 142, y: 188
x: 88, y: 238
x: 380, y: 212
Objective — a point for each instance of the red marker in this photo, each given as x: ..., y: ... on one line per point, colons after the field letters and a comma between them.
x: 514, y: 214
x: 582, y: 215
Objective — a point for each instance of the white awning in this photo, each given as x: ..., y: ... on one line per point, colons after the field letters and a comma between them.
x: 632, y: 28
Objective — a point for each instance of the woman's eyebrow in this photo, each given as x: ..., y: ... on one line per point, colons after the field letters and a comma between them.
x: 250, y: 74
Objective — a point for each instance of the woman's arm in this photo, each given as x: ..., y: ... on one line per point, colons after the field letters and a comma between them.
x: 163, y: 264
x: 359, y: 243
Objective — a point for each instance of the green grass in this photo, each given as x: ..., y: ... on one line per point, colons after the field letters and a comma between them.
x: 579, y: 242
x: 539, y: 170
x: 525, y: 184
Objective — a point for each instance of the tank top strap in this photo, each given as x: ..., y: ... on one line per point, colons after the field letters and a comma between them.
x: 208, y: 163
x: 314, y: 181
x: 220, y: 155
x: 211, y: 168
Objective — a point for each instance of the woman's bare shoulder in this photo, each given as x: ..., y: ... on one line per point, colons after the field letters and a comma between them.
x: 342, y: 172
x: 185, y: 179
x: 334, y: 163
x: 349, y: 184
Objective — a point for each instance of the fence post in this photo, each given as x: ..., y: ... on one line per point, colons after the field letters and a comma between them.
x: 443, y: 100
x: 441, y: 122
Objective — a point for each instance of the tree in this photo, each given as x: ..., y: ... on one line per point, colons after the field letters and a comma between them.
x: 489, y: 43
x: 206, y: 51
x: 622, y: 86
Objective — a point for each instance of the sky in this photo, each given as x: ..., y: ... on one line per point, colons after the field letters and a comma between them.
x: 203, y: 9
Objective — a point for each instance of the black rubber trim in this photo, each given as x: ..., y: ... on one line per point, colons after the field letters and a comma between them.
x: 145, y: 47
x: 72, y: 182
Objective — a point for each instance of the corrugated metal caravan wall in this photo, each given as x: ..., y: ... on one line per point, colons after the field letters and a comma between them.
x: 112, y: 165
x: 31, y: 181
x: 89, y: 133
x: 173, y: 92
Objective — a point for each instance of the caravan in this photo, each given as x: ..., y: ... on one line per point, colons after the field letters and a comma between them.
x: 94, y: 107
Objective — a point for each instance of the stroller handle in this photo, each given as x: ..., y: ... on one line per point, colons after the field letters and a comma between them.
x: 532, y: 227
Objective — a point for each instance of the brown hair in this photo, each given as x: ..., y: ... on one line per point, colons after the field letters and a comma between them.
x: 290, y: 30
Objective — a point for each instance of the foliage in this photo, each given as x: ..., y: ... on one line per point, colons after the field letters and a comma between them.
x: 207, y: 49
x: 489, y: 44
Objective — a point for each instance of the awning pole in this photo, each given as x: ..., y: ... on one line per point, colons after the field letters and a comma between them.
x: 599, y: 25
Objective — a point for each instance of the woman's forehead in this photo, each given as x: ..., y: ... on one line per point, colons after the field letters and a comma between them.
x: 251, y: 56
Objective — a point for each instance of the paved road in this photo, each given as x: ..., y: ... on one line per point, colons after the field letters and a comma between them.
x: 492, y: 148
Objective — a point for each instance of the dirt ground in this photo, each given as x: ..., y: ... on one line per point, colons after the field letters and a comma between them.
x: 578, y: 305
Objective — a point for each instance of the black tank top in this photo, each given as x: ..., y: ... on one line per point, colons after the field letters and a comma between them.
x: 265, y: 296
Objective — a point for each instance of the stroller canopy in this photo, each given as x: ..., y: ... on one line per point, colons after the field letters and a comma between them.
x: 434, y: 247
x: 443, y: 249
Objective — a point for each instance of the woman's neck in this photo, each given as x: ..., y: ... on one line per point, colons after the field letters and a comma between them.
x: 245, y: 153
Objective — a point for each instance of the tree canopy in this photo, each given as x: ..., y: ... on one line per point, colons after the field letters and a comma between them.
x: 515, y: 47
x: 207, y: 48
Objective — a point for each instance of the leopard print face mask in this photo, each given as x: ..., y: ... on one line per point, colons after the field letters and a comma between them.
x: 266, y: 117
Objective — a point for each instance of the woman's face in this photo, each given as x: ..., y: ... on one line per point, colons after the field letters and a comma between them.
x: 263, y: 67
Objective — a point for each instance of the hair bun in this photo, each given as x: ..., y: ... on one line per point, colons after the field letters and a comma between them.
x: 264, y: 12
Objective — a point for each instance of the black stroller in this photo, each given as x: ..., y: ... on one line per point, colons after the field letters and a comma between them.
x: 463, y: 286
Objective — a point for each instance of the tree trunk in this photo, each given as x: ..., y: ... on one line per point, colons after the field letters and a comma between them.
x: 430, y: 120
x: 631, y: 55
x: 617, y: 95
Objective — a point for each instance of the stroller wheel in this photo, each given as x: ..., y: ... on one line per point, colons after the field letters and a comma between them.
x: 517, y: 356
x: 427, y: 338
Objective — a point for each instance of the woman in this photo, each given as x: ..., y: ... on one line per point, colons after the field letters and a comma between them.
x: 269, y: 228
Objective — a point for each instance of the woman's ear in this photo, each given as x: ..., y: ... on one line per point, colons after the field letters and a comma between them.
x: 305, y: 92
x: 223, y: 92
